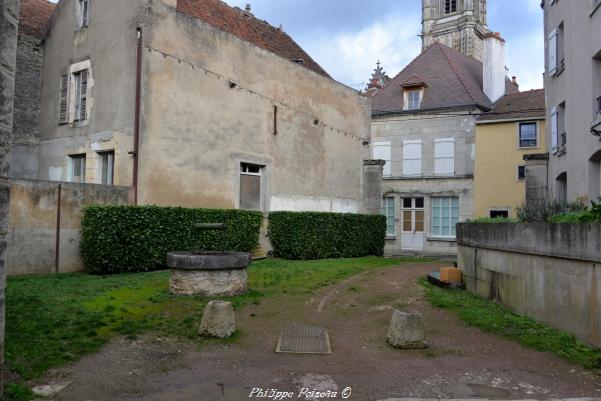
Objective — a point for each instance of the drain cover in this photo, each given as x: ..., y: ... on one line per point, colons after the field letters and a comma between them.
x: 304, y: 340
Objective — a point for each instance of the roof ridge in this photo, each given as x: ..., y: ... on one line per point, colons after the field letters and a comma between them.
x: 459, y: 77
x: 404, y: 69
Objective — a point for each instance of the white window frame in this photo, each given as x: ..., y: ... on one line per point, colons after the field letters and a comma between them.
x: 442, y: 158
x: 382, y: 150
x: 388, y: 205
x: 110, y: 155
x: 412, y: 160
x: 450, y: 218
x: 75, y: 94
x: 83, y: 14
x: 70, y: 167
x: 245, y: 169
x: 411, y: 104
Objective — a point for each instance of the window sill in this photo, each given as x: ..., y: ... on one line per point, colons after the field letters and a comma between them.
x: 442, y: 239
x: 390, y: 238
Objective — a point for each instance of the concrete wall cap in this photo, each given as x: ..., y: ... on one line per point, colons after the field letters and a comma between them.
x: 208, y: 260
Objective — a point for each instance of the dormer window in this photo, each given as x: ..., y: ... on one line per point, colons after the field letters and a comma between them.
x: 414, y: 97
x: 450, y: 6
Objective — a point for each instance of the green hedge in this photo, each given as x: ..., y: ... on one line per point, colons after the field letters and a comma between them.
x: 311, y: 235
x: 117, y: 239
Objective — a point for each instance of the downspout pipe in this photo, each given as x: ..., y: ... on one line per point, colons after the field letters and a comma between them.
x: 136, y: 152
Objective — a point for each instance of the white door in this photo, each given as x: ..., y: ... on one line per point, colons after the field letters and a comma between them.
x: 412, y: 233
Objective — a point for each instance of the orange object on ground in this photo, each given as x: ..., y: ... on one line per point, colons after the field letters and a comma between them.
x: 450, y: 275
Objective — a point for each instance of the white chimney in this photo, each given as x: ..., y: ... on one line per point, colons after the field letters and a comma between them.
x: 494, y: 66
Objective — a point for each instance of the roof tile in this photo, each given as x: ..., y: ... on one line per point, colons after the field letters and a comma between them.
x: 34, y: 16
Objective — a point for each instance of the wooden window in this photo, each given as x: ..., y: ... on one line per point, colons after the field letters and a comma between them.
x: 250, y: 186
x: 107, y: 163
x: 528, y: 135
x: 63, y: 114
x: 413, y: 99
x: 388, y: 210
x: 445, y: 216
x: 77, y: 167
x: 80, y: 80
x: 383, y: 151
x: 83, y: 16
x: 444, y: 156
x: 412, y: 158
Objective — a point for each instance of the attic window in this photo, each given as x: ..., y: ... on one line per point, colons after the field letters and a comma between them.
x: 413, y: 99
x: 450, y: 6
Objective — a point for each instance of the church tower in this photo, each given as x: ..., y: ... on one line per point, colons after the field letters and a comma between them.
x: 459, y: 24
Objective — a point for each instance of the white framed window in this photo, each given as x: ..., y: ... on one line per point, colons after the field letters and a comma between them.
x: 445, y: 216
x: 251, y: 186
x: 106, y: 167
x: 83, y: 13
x: 554, y: 129
x: 388, y: 210
x: 528, y: 135
x: 383, y: 151
x: 414, y: 99
x: 412, y: 158
x: 444, y: 156
x: 74, y: 94
x: 77, y: 168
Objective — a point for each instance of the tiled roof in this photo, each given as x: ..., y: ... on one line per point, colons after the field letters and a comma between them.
x: 452, y: 78
x: 529, y: 104
x: 34, y: 16
x: 248, y: 28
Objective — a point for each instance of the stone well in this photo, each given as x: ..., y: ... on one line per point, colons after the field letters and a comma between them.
x: 211, y: 274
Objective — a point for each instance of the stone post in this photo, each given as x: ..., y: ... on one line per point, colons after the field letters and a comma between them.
x: 537, y: 186
x: 373, y: 172
x: 9, y: 20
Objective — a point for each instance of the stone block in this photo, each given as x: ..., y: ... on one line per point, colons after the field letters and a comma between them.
x: 218, y: 320
x: 407, y: 330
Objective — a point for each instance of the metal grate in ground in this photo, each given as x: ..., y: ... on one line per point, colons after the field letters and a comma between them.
x: 304, y: 340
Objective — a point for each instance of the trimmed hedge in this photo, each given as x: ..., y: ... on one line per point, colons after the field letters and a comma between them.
x: 311, y: 235
x: 118, y: 239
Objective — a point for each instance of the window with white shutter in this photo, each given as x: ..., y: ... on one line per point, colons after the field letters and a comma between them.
x: 552, y: 61
x: 81, y: 95
x: 554, y: 133
x: 382, y: 151
x: 412, y: 158
x: 444, y: 156
x: 63, y: 116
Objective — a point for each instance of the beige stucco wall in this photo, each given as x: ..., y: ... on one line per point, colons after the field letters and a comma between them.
x: 197, y: 128
x: 498, y: 155
x: 33, y: 223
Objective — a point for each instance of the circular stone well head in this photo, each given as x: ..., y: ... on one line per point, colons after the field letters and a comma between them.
x: 211, y: 274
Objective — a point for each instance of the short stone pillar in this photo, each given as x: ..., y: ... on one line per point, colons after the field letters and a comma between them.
x: 407, y: 330
x: 218, y: 320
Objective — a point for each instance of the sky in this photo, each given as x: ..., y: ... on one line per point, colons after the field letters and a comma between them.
x: 347, y: 37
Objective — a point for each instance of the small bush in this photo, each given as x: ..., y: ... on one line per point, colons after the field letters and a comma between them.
x: 496, y: 220
x: 118, y: 239
x: 543, y: 210
x: 593, y: 215
x: 311, y: 235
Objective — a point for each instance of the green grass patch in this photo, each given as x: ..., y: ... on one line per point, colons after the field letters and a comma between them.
x: 495, y: 318
x: 55, y: 319
x: 18, y: 392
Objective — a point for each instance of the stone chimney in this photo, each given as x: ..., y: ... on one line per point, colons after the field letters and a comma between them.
x: 494, y: 66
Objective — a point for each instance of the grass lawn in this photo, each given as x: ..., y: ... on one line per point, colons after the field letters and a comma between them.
x: 495, y: 318
x: 55, y: 319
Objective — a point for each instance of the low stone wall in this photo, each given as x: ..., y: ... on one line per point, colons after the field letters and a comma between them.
x: 34, y: 224
x: 549, y: 272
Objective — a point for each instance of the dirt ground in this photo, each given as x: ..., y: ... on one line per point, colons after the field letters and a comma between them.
x: 461, y: 362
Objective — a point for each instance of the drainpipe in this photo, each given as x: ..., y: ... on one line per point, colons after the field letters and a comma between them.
x: 136, y: 153
x: 58, y: 229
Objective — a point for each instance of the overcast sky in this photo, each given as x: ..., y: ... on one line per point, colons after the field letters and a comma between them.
x: 347, y: 37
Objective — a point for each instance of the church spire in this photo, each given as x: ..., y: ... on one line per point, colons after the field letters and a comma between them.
x: 378, y: 80
x: 459, y: 24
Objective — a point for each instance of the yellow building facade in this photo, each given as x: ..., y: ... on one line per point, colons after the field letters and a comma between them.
x: 514, y: 128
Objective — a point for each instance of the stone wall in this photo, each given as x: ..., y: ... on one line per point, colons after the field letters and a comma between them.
x: 34, y: 224
x: 9, y: 14
x: 549, y: 272
x: 28, y: 81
